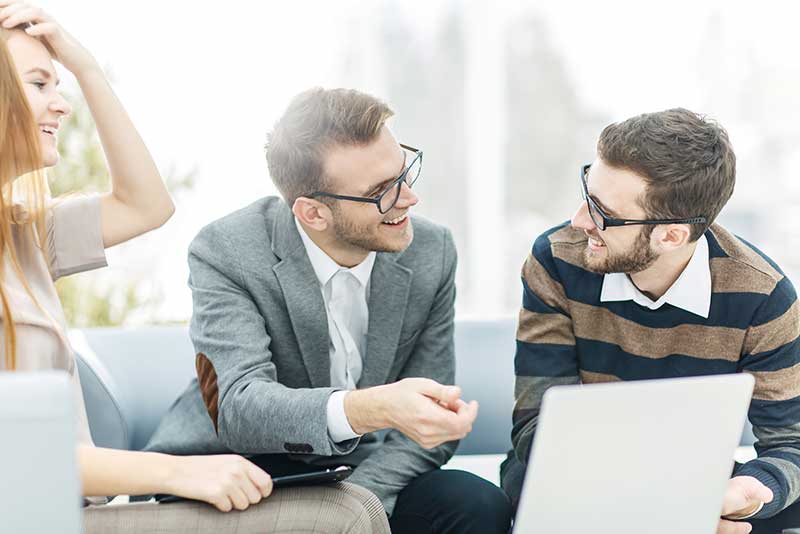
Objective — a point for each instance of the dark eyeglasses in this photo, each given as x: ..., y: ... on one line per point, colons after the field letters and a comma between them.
x: 603, y: 221
x: 386, y: 199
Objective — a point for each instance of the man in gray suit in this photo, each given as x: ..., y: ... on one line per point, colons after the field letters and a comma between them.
x: 323, y: 324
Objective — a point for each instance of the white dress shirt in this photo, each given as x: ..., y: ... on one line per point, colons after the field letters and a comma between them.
x: 345, y: 293
x: 690, y: 292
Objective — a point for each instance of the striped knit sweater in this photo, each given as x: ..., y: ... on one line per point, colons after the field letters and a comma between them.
x: 567, y: 336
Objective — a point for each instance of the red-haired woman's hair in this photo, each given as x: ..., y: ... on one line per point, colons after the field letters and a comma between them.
x: 23, y: 188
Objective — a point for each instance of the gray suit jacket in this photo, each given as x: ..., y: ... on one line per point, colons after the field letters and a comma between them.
x: 261, y: 335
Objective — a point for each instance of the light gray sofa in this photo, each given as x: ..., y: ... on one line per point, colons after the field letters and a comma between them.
x: 130, y: 377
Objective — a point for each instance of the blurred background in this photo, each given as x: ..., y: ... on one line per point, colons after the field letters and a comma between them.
x: 506, y: 98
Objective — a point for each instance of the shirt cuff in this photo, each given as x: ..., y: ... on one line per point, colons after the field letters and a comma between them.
x: 339, y: 428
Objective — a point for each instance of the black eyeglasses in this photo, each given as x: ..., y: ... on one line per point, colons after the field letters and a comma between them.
x: 386, y: 199
x: 603, y: 221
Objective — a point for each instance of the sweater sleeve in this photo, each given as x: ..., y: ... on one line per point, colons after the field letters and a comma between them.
x: 546, y: 355
x: 772, y: 356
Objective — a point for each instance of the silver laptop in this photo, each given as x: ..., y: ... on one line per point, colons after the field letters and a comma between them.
x: 648, y: 456
x: 39, y: 490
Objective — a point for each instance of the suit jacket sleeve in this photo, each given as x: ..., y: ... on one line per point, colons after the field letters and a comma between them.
x: 251, y: 411
x: 400, y: 460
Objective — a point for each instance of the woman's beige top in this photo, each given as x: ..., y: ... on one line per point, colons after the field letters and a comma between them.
x: 74, y: 244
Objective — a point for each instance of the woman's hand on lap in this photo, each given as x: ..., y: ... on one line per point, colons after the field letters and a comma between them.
x: 225, y: 481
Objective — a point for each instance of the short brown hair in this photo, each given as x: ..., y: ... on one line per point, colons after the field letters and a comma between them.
x: 686, y: 160
x: 315, y: 121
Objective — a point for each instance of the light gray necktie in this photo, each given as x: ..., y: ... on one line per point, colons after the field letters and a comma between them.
x: 348, y: 313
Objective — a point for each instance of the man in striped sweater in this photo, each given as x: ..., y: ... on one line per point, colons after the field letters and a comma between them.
x: 642, y: 284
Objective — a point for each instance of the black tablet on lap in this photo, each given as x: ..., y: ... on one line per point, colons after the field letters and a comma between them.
x: 313, y: 478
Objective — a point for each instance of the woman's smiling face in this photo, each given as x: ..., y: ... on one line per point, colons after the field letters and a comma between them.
x: 40, y: 81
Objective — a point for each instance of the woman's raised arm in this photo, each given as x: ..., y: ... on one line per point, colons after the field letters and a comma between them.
x: 138, y: 201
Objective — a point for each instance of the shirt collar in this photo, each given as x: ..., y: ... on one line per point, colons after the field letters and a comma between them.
x: 324, y: 266
x: 690, y: 292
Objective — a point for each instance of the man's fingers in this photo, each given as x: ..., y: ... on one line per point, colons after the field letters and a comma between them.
x: 439, y: 392
x: 468, y: 411
x: 754, y: 489
x: 729, y: 527
x: 454, y: 406
x: 457, y: 424
x: 447, y: 394
x: 764, y: 494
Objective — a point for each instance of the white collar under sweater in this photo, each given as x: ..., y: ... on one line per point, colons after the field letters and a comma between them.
x: 690, y: 292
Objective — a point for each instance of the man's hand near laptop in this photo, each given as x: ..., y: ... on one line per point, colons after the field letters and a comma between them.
x: 744, y: 497
x: 424, y: 410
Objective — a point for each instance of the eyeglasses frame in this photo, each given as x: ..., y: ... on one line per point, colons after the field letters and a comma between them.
x: 609, y: 222
x: 379, y: 197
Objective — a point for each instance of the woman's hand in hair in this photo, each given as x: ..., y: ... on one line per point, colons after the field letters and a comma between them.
x: 225, y: 481
x: 138, y: 201
x: 38, y: 23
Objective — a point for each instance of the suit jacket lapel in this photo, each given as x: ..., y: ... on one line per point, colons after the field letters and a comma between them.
x: 389, y: 288
x: 303, y: 298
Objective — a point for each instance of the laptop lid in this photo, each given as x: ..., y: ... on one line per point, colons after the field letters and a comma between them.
x: 40, y: 490
x: 647, y: 456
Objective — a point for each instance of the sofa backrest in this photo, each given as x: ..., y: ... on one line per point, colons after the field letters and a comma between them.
x: 130, y: 378
x: 485, y: 372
